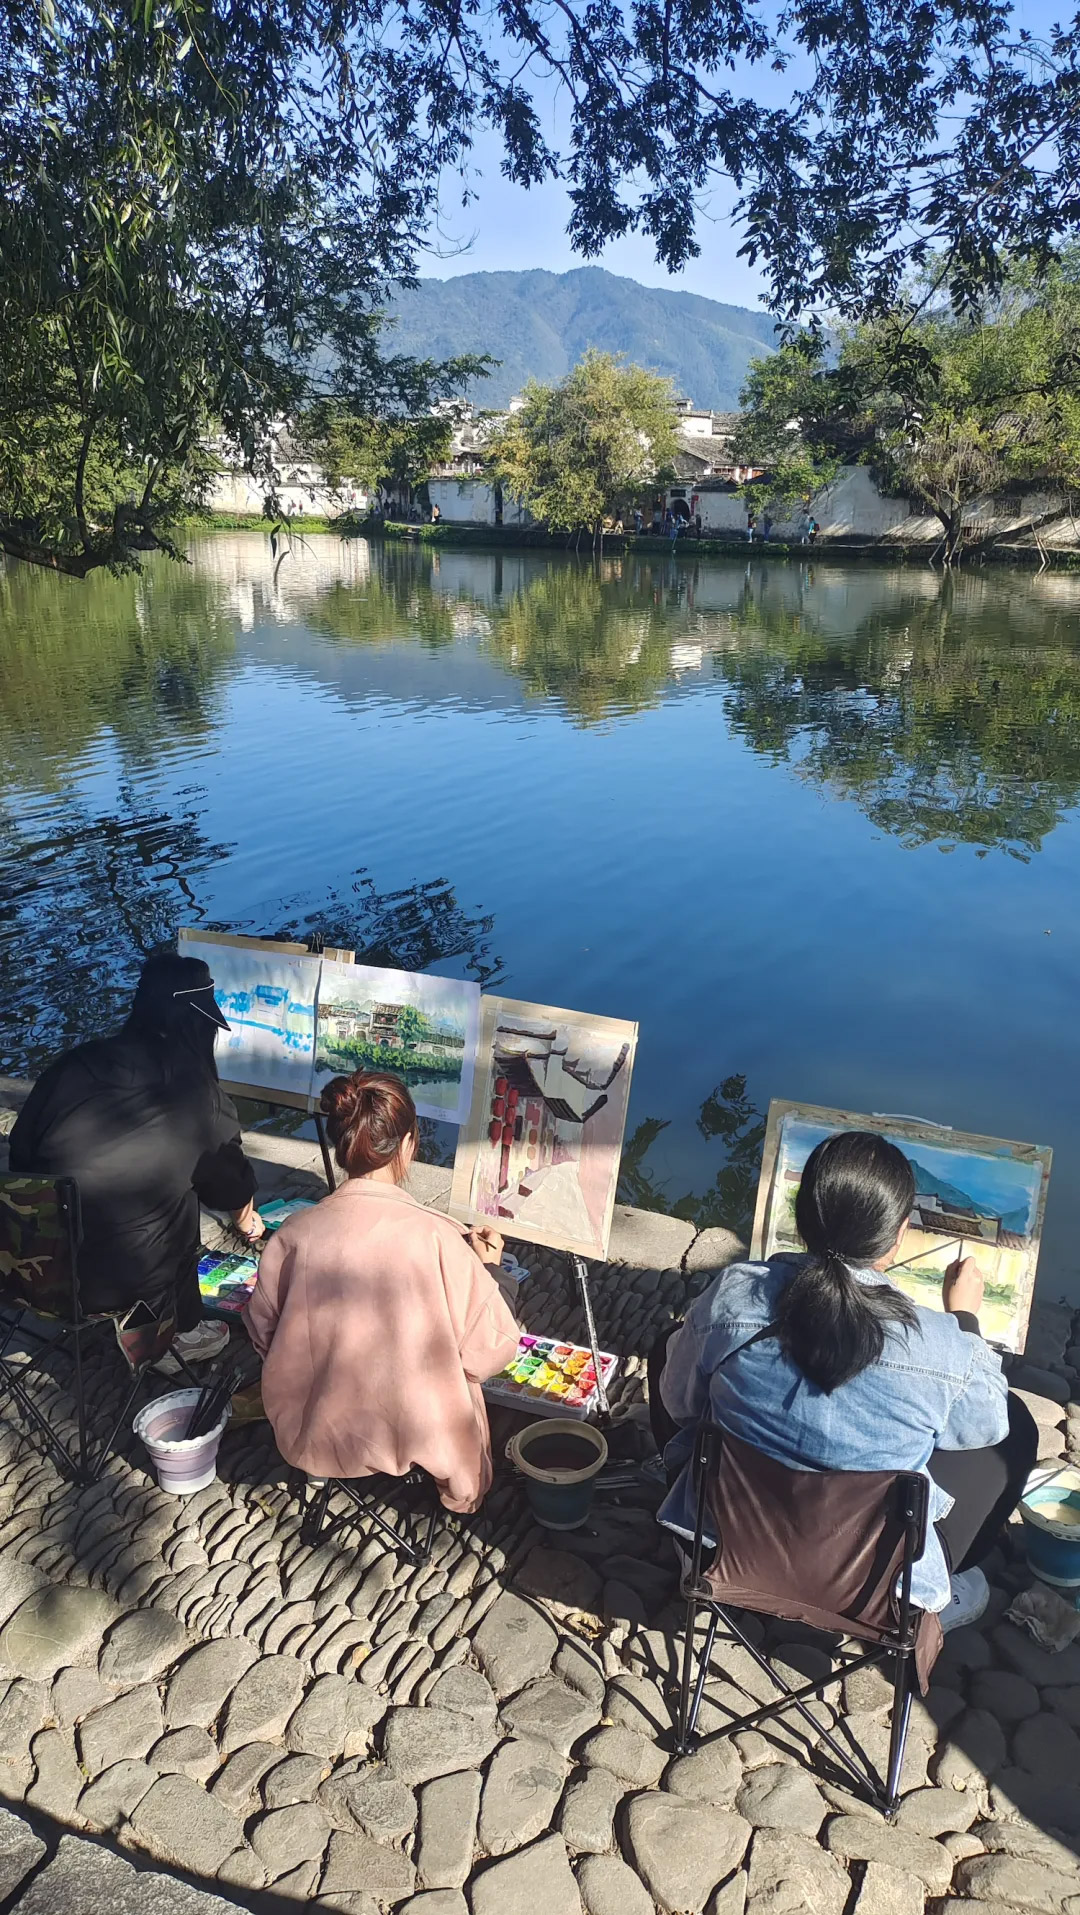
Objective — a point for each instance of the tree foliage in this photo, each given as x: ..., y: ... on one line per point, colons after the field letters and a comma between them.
x: 580, y: 448
x: 374, y: 451
x: 947, y: 409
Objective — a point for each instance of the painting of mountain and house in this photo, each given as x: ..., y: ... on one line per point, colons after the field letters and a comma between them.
x: 418, y: 1027
x: 540, y: 1155
x: 981, y: 1197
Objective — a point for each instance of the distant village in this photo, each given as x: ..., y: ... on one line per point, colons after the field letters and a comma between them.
x: 702, y: 489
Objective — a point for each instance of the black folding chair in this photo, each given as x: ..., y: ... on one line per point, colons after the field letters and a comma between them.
x: 832, y: 1549
x: 40, y: 1234
x: 416, y: 1490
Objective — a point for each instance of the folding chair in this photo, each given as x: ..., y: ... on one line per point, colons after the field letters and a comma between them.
x: 363, y: 1492
x: 832, y: 1549
x: 40, y: 1233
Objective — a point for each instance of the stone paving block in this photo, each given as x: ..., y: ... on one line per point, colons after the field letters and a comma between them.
x: 781, y: 1797
x: 58, y: 1779
x: 141, y: 1646
x: 262, y: 1702
x: 53, y: 1627
x: 682, y: 1851
x: 634, y: 1702
x: 200, y: 1687
x: 521, y: 1793
x: 372, y: 1801
x: 283, y: 1838
x: 182, y: 1823
x: 973, y: 1750
x: 938, y: 1811
x: 127, y: 1726
x: 436, y: 1901
x: 580, y: 1668
x: 75, y: 1693
x: 713, y: 1250
x: 1047, y: 1747
x: 297, y: 1779
x: 712, y: 1773
x: 855, y: 1839
x: 108, y: 1801
x: 887, y: 1891
x: 536, y: 1878
x: 185, y: 1752
x: 1056, y: 1804
x: 586, y: 1820
x: 1011, y: 1878
x: 790, y: 1875
x: 466, y: 1692
x: 18, y: 1580
x: 1018, y: 1652
x: 608, y: 1887
x: 561, y: 1581
x: 638, y: 1763
x: 357, y: 1865
x: 20, y: 1852
x: 448, y: 1808
x: 730, y: 1898
x: 420, y: 1744
x: 83, y: 1879
x: 321, y: 1725
x: 548, y: 1711
x: 236, y: 1782
x: 22, y: 1712
x: 514, y: 1644
x: 647, y: 1240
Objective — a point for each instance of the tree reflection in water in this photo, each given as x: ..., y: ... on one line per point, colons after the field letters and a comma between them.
x: 727, y: 1115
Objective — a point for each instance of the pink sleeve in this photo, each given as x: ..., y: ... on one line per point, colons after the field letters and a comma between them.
x: 487, y: 1332
x: 263, y: 1307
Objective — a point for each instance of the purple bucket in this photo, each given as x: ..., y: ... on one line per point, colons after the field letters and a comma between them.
x: 183, y: 1463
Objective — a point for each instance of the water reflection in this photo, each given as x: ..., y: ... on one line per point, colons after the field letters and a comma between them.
x: 700, y: 794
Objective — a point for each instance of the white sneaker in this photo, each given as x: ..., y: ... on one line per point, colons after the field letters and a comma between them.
x: 206, y: 1340
x: 970, y: 1595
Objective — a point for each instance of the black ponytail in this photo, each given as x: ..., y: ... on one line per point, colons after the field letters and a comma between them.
x: 856, y: 1193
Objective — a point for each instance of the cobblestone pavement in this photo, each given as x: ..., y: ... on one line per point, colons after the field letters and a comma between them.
x: 189, y: 1682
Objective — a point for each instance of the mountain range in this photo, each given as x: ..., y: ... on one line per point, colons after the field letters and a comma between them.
x: 538, y: 324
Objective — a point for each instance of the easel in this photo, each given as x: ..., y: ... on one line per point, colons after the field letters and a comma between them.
x: 276, y: 1099
x: 581, y: 1272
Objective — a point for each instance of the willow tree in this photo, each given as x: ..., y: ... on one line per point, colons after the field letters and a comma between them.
x: 577, y: 450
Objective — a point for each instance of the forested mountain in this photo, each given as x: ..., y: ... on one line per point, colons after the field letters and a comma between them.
x: 538, y: 324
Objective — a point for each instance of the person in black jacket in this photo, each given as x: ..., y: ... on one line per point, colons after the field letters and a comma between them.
x: 141, y: 1123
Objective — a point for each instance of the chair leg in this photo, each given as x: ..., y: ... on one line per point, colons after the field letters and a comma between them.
x: 80, y: 1406
x: 689, y: 1705
x: 901, y: 1716
x: 315, y: 1514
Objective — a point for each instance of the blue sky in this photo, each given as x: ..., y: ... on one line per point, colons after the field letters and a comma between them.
x: 506, y: 228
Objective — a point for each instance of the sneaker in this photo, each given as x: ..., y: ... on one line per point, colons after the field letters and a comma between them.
x: 970, y: 1595
x: 206, y: 1340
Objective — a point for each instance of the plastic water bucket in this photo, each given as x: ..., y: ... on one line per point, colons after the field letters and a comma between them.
x: 559, y: 1458
x: 1051, y: 1514
x: 183, y: 1463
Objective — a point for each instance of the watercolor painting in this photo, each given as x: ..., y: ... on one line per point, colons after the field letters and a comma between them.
x: 980, y: 1197
x: 421, y: 1028
x: 269, y: 1000
x: 540, y: 1156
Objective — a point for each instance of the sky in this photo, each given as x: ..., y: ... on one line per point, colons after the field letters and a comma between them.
x: 506, y: 228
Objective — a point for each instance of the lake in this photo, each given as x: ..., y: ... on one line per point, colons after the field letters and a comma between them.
x: 815, y: 826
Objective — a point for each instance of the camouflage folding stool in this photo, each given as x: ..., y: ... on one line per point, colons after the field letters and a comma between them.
x: 40, y: 1233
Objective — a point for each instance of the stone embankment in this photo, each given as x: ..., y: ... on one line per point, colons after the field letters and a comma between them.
x: 199, y: 1711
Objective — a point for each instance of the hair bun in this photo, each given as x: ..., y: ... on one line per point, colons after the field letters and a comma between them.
x: 369, y: 1117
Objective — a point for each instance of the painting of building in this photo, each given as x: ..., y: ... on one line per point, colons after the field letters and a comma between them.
x: 540, y: 1155
x: 975, y: 1196
x: 420, y: 1028
x: 268, y: 997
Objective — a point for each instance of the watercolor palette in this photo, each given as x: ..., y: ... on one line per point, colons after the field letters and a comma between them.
x: 226, y: 1282
x: 549, y: 1377
x: 280, y: 1209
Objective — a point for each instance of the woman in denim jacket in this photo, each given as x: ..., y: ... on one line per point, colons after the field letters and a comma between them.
x: 856, y: 1376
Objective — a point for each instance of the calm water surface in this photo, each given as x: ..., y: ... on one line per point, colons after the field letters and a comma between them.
x: 817, y: 828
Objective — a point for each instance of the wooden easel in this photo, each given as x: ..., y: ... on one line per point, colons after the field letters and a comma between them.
x: 277, y: 1099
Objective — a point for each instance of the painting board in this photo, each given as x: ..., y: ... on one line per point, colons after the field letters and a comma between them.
x: 539, y: 1157
x: 267, y: 991
x: 423, y: 1029
x: 976, y: 1196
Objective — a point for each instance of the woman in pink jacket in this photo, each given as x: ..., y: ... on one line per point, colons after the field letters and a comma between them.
x: 377, y: 1319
